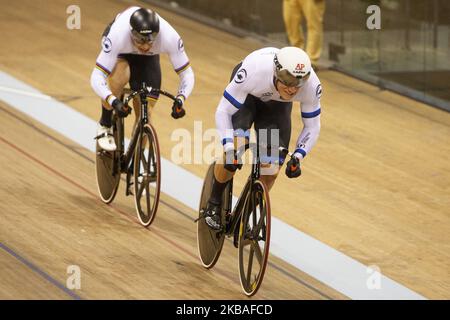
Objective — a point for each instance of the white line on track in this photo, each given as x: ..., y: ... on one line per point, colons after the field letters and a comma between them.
x: 25, y: 93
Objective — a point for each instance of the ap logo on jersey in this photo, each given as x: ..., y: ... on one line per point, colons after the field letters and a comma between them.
x: 241, y: 75
x: 106, y: 44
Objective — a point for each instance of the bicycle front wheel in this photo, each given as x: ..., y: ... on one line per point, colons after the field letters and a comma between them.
x: 147, y: 175
x: 254, y: 238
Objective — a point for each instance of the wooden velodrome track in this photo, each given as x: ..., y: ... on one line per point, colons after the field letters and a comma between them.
x: 376, y: 186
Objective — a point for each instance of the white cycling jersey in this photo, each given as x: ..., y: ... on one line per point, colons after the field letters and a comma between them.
x: 119, y: 41
x: 256, y: 77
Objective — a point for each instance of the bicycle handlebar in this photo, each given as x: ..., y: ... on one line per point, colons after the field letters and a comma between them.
x: 147, y: 91
x: 282, y: 150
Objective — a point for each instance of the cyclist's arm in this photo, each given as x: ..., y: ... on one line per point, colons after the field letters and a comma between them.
x: 224, y: 125
x: 182, y: 67
x: 232, y: 100
x: 311, y: 110
x: 187, y: 81
x: 99, y: 83
x: 309, y: 135
x: 173, y: 45
x: 105, y: 63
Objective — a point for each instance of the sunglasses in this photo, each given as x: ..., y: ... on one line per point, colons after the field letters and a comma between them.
x: 289, y: 80
x: 143, y: 39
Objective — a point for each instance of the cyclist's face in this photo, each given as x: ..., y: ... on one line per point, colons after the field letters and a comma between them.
x: 286, y: 93
x: 143, y: 47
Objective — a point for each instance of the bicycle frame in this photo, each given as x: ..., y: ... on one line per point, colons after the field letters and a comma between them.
x: 126, y: 157
x: 239, y: 207
x: 255, y: 175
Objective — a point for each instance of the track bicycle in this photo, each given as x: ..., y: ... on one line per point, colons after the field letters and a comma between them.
x: 141, y: 161
x: 248, y: 223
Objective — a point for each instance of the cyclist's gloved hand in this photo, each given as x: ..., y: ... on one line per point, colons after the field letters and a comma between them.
x: 232, y: 163
x: 177, y: 109
x: 293, y: 168
x: 118, y: 105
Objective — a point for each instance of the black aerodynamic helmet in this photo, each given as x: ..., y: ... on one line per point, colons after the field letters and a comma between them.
x: 144, y: 24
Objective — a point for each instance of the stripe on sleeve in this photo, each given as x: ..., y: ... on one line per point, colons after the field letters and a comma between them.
x: 301, y: 151
x: 182, y: 68
x: 232, y: 100
x: 102, y: 69
x: 311, y: 114
x: 226, y: 140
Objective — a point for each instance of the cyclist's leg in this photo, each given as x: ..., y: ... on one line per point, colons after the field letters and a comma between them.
x: 116, y: 81
x: 222, y: 175
x: 273, y: 126
x: 242, y: 122
x: 119, y: 77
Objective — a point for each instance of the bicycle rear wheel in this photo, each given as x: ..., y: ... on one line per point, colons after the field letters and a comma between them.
x: 107, y: 171
x: 147, y: 175
x: 210, y: 242
x: 254, y: 238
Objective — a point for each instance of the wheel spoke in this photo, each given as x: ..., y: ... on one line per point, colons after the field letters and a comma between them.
x: 140, y: 187
x: 148, y: 159
x: 144, y: 160
x: 249, y: 267
x: 258, y: 253
x: 246, y: 242
x: 263, y: 218
x: 258, y: 218
x: 254, y: 217
x: 260, y: 224
x: 147, y: 196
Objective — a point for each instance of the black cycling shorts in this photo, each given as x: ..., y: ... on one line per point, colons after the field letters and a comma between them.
x: 143, y: 68
x: 269, y: 117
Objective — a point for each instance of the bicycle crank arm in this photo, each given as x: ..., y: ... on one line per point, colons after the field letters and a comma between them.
x: 202, y: 216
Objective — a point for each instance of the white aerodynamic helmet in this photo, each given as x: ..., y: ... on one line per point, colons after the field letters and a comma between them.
x: 292, y: 66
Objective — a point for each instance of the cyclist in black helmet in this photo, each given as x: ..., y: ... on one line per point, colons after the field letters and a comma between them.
x: 131, y: 46
x: 144, y: 25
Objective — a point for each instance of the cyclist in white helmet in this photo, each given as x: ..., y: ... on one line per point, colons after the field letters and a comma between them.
x: 261, y: 91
